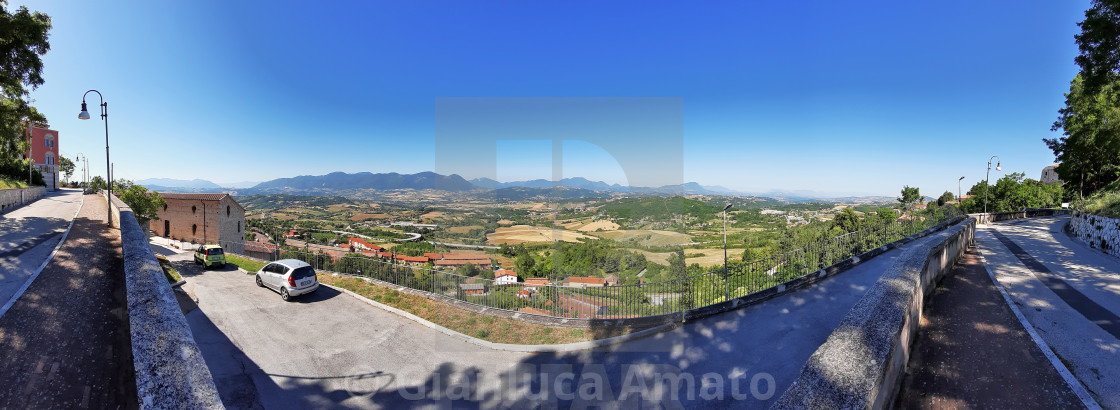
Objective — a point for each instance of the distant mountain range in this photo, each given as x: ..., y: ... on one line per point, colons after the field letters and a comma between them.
x: 336, y: 182
x: 690, y: 188
x: 178, y: 183
x: 367, y: 180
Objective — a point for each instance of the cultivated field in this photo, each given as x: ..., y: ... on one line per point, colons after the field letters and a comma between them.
x: 360, y: 217
x: 646, y: 237
x: 519, y: 234
x: 709, y: 257
x: 463, y: 229
x: 599, y: 225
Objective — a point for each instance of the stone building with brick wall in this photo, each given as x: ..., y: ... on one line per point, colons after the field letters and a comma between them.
x: 202, y: 218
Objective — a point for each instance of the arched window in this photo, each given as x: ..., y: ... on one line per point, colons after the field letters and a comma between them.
x: 238, y: 226
x: 194, y: 229
x: 227, y: 210
x: 48, y: 140
x: 193, y: 208
x: 48, y: 158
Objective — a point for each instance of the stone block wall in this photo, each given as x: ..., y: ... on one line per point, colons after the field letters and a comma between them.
x: 1097, y: 231
x: 170, y: 370
x: 861, y: 364
x: 15, y: 197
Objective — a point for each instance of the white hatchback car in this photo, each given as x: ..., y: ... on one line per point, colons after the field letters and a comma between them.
x: 290, y: 277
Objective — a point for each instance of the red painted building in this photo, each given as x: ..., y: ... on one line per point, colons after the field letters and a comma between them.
x: 44, y: 153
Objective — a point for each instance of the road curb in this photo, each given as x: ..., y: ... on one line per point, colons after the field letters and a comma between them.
x: 1071, y: 381
x: 27, y: 284
x: 567, y: 347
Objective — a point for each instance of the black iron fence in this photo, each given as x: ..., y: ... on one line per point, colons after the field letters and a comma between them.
x: 625, y: 301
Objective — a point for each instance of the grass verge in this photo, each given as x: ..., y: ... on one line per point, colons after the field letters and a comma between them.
x: 250, y: 265
x: 169, y: 272
x: 488, y: 328
x: 1105, y: 202
x: 6, y: 183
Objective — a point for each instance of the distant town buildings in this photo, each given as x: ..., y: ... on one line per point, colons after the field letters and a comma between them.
x: 505, y: 277
x: 585, y: 282
x: 44, y: 153
x: 473, y: 289
x: 583, y: 307
x: 536, y: 282
x: 202, y: 219
x: 359, y: 244
x: 458, y: 259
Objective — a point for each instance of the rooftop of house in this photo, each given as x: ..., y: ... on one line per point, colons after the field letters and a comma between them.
x: 585, y: 279
x: 194, y: 196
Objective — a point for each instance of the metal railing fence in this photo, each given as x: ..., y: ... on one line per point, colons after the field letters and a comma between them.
x: 624, y: 301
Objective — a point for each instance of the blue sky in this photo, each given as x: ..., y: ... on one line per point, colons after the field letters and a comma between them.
x: 850, y: 97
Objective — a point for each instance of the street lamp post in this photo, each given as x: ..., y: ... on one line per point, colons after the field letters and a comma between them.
x: 81, y: 158
x: 84, y: 115
x: 959, y: 196
x: 986, y: 174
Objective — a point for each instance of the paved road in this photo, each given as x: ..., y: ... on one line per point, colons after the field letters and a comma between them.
x: 29, y: 234
x: 331, y: 350
x: 1069, y: 292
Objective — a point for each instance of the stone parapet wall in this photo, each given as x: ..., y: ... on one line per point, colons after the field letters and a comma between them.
x: 170, y: 371
x: 861, y: 364
x: 1097, y: 231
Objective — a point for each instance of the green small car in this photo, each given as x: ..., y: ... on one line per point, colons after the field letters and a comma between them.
x: 209, y: 255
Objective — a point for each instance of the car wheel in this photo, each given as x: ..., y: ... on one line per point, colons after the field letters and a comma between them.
x: 259, y: 283
x: 284, y: 295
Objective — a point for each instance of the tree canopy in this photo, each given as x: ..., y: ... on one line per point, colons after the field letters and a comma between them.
x: 1099, y: 43
x: 1013, y: 192
x: 909, y: 196
x: 145, y: 205
x: 66, y: 166
x: 23, y: 40
x: 1089, y: 150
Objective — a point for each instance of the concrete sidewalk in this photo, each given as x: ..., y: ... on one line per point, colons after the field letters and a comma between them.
x: 65, y: 342
x: 972, y: 352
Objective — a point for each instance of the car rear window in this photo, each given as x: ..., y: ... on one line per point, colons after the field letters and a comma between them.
x: 214, y: 251
x: 303, y: 273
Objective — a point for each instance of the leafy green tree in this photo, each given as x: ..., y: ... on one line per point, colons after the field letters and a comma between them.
x: 467, y: 270
x: 145, y: 206
x: 678, y: 270
x: 1089, y: 150
x: 524, y: 263
x: 23, y: 40
x: 846, y: 220
x: 885, y: 214
x: 1013, y: 192
x: 909, y: 197
x: 1098, y: 43
x: 66, y: 166
x: 96, y: 184
x: 946, y: 197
